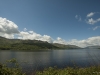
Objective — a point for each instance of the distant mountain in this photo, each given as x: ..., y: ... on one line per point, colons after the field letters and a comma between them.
x: 93, y: 47
x: 66, y: 46
x: 18, y: 44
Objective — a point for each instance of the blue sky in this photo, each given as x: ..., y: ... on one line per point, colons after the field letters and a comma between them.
x: 62, y: 19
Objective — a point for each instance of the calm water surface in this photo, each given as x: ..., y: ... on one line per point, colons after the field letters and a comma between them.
x: 38, y: 60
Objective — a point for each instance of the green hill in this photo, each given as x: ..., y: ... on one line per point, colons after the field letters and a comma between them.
x: 66, y: 46
x: 93, y: 47
x: 18, y: 44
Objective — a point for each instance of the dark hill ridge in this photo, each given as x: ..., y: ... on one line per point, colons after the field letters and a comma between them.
x: 18, y: 44
x: 65, y: 46
x: 93, y: 47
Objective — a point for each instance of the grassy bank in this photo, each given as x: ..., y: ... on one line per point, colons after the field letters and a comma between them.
x: 17, y: 70
x: 93, y: 70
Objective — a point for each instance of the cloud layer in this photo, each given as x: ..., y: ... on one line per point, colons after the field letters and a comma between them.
x: 81, y: 43
x: 86, y: 42
x: 90, y: 20
x: 9, y: 29
x: 34, y: 36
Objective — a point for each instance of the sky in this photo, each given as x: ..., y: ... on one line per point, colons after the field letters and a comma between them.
x: 75, y: 22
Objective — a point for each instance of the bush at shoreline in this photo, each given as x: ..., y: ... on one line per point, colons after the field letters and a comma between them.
x: 17, y: 70
x: 93, y: 70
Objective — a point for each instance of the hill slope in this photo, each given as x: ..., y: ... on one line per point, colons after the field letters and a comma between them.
x: 93, y: 47
x: 66, y: 46
x: 17, y: 44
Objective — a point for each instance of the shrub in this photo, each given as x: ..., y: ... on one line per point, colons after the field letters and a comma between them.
x: 15, y: 70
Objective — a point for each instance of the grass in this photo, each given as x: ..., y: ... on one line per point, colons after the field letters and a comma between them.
x: 16, y: 70
x: 93, y: 70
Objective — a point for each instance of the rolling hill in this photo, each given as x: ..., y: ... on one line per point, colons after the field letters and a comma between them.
x: 18, y: 44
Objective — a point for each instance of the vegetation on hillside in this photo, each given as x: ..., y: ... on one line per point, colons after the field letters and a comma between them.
x: 66, y: 46
x: 17, y: 44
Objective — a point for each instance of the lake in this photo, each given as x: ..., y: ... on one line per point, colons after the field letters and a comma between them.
x: 31, y: 61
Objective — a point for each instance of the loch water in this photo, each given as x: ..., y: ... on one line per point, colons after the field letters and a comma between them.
x: 32, y: 61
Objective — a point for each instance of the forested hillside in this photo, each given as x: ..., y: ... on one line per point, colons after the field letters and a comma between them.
x: 18, y: 44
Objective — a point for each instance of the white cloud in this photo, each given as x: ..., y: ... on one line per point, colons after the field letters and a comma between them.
x: 46, y: 38
x: 81, y: 43
x: 96, y: 27
x: 27, y: 35
x: 92, y: 21
x: 60, y: 40
x: 10, y: 36
x: 89, y: 20
x: 8, y: 28
x: 90, y: 14
x: 86, y: 42
x: 34, y: 36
